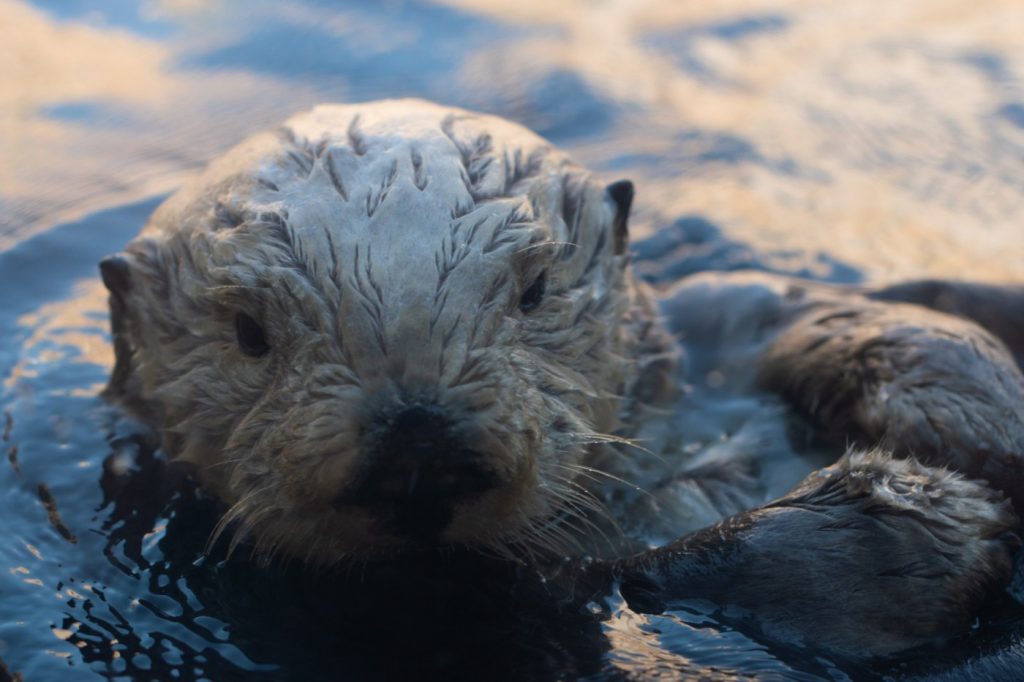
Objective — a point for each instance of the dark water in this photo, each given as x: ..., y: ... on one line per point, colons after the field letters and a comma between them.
x: 841, y: 141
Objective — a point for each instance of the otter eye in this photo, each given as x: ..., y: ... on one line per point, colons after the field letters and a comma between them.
x: 251, y: 339
x: 531, y: 297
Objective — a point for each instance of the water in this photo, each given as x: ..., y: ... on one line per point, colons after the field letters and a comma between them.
x: 855, y: 141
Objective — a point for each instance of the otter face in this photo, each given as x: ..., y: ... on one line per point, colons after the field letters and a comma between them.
x: 384, y: 326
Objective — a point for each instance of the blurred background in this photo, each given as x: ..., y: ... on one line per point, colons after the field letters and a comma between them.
x: 883, y: 136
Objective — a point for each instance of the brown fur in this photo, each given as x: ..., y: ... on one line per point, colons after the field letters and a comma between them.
x: 384, y: 249
x: 871, y: 555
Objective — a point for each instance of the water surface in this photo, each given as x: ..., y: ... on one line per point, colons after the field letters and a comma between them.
x: 854, y: 141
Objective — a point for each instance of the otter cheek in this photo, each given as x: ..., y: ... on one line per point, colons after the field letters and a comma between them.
x: 518, y: 446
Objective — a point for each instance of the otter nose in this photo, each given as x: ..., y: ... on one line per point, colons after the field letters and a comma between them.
x: 418, y: 471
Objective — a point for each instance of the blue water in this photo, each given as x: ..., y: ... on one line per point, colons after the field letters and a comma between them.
x: 826, y: 142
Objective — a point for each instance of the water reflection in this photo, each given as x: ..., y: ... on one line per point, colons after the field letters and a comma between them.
x: 841, y: 141
x: 801, y: 126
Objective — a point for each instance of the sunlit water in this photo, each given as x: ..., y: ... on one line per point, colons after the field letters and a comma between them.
x: 854, y: 141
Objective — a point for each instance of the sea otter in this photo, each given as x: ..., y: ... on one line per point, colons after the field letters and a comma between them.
x: 395, y: 326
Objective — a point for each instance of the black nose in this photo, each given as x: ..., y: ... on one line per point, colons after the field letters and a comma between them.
x: 418, y: 470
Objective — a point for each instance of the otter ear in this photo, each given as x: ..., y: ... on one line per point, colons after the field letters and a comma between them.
x: 115, y: 271
x: 620, y: 193
x: 116, y: 275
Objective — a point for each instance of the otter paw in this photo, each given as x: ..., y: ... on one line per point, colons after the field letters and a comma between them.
x: 867, y: 558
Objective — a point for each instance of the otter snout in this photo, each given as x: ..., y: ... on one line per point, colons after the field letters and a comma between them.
x: 417, y: 470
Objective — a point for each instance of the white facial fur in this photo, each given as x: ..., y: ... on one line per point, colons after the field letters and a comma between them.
x: 384, y: 250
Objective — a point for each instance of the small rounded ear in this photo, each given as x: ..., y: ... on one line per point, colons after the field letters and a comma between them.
x: 116, y: 274
x: 115, y: 271
x: 621, y: 195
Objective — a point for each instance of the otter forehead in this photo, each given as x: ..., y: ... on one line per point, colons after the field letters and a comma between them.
x: 408, y: 185
x: 386, y: 173
x: 392, y: 220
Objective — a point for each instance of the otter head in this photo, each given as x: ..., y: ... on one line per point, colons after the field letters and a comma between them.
x: 383, y: 326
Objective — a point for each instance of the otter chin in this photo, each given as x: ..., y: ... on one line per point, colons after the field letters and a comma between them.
x: 387, y: 326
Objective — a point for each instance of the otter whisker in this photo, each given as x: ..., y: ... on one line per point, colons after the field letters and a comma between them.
x: 557, y: 541
x: 581, y: 495
x: 581, y: 474
x: 583, y: 526
x: 540, y: 245
x: 582, y: 470
x: 589, y: 438
x: 552, y: 529
x: 233, y: 513
x: 232, y: 287
x: 577, y: 504
x: 523, y: 545
x: 567, y: 541
x: 218, y: 530
x: 586, y: 502
x: 552, y: 534
x: 569, y: 521
x: 495, y: 550
x: 592, y: 437
x: 244, y: 530
x: 225, y: 462
x: 542, y: 536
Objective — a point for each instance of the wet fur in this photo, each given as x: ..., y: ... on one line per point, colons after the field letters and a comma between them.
x: 384, y: 246
x: 384, y: 249
x: 872, y: 554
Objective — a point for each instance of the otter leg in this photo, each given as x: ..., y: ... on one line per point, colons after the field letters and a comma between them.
x: 917, y: 382
x: 997, y: 308
x: 867, y: 558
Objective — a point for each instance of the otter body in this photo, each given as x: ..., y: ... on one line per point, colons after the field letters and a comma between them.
x: 395, y: 326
